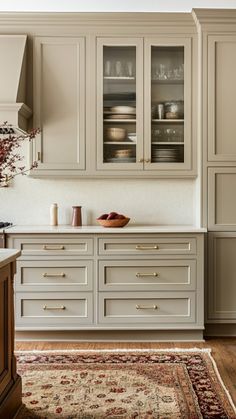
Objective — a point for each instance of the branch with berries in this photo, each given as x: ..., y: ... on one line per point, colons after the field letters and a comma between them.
x: 10, y: 158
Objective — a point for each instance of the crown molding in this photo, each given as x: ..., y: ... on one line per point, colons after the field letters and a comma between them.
x: 214, y: 16
x: 117, y: 19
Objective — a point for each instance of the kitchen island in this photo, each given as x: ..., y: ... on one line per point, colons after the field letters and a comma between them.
x: 10, y: 382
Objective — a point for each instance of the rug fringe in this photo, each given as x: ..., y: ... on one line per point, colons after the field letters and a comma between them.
x: 222, y: 383
x: 206, y: 350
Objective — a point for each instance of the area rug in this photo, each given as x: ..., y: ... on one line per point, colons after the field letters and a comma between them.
x: 160, y: 384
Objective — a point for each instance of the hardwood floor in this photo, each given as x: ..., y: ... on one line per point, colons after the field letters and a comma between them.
x: 223, y: 351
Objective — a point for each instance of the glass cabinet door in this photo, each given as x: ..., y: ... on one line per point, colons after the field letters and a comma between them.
x: 168, y: 105
x: 120, y: 109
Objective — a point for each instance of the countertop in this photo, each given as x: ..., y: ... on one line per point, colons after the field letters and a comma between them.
x: 130, y: 229
x: 8, y: 256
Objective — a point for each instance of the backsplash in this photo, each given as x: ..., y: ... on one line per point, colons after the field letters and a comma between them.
x: 166, y: 201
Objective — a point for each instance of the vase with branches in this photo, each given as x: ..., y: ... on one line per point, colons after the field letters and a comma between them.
x: 10, y: 158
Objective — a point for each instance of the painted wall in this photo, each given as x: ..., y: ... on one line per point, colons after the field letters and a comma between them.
x: 112, y: 5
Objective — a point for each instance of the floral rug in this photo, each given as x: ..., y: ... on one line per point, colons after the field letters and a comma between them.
x: 160, y: 384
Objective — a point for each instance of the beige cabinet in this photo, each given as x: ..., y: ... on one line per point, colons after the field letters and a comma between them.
x: 221, y: 98
x: 118, y: 281
x: 221, y: 278
x: 144, y: 105
x: 59, y: 104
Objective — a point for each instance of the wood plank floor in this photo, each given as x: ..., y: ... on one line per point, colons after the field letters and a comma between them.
x: 223, y: 351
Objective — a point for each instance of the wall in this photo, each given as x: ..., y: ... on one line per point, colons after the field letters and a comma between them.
x: 108, y: 5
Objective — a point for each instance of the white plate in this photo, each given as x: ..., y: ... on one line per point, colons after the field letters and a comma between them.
x: 123, y: 109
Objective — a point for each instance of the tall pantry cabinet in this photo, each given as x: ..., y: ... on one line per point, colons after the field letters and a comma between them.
x: 217, y: 30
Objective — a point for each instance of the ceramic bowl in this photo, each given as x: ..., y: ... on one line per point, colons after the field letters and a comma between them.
x: 114, y: 223
x: 116, y: 134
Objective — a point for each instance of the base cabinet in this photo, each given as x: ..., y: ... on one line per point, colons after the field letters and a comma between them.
x: 221, y: 278
x: 115, y: 282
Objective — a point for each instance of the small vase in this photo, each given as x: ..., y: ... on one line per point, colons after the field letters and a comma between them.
x: 76, y: 217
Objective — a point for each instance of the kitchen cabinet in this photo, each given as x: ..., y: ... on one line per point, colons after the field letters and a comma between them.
x: 221, y: 278
x: 96, y: 280
x: 59, y: 105
x: 10, y: 382
x: 217, y: 41
x: 144, y: 105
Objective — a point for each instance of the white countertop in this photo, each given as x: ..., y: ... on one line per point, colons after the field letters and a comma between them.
x: 8, y: 256
x: 132, y: 228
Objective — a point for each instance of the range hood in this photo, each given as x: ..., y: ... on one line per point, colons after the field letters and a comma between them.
x: 13, y: 109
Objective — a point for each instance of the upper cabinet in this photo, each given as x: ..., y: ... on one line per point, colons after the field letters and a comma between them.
x: 144, y: 104
x: 221, y: 97
x: 114, y: 101
x: 59, y: 104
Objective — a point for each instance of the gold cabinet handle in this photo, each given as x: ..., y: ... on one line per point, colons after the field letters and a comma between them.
x: 48, y: 247
x: 47, y: 275
x: 147, y: 160
x: 140, y: 247
x: 141, y: 160
x: 54, y: 308
x: 154, y: 307
x: 140, y: 274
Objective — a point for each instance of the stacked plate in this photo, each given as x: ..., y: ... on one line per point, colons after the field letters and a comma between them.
x: 120, y: 112
x: 167, y: 155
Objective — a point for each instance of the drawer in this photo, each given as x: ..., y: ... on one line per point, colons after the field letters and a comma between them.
x: 54, y: 309
x: 147, y: 246
x: 144, y: 275
x: 147, y: 307
x: 45, y: 275
x: 53, y: 246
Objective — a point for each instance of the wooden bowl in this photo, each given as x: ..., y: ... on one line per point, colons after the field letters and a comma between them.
x: 114, y: 223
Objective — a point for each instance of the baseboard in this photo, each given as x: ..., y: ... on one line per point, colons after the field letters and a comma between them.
x: 220, y: 329
x: 111, y: 336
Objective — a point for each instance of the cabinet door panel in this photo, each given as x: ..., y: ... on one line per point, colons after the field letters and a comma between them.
x: 168, y: 104
x: 222, y: 284
x: 119, y: 104
x: 222, y: 201
x: 221, y: 98
x: 59, y: 80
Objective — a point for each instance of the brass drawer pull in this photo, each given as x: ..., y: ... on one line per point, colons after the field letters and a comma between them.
x: 54, y: 308
x: 140, y: 247
x: 47, y: 247
x: 46, y: 275
x: 154, y: 307
x: 140, y: 274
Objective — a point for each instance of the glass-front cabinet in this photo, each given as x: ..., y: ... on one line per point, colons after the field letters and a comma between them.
x: 120, y: 103
x: 143, y: 104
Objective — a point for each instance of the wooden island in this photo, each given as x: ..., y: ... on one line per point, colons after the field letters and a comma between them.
x: 10, y: 382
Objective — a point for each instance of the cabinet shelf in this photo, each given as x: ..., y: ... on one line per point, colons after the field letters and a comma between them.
x: 168, y: 81
x: 167, y: 143
x: 120, y: 120
x: 167, y: 121
x: 119, y: 143
x: 115, y: 78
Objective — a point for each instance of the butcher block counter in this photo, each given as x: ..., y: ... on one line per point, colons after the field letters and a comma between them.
x: 10, y: 382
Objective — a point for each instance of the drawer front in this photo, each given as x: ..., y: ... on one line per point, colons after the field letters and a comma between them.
x: 147, y: 246
x: 54, y: 275
x: 53, y: 246
x: 168, y: 275
x: 54, y: 309
x: 160, y: 308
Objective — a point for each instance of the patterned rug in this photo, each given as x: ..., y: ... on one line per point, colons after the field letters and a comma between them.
x: 164, y: 384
